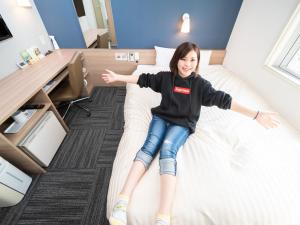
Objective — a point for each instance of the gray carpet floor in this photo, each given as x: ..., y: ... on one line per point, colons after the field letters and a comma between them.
x: 74, y: 189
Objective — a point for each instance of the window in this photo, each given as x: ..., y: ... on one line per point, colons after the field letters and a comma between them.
x: 284, y: 59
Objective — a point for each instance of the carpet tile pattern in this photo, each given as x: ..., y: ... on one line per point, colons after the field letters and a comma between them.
x: 74, y: 189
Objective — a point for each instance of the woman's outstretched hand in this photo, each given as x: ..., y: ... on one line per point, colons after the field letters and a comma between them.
x: 109, y: 77
x: 268, y: 119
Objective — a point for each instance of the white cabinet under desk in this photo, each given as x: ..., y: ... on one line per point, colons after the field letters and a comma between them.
x: 44, y: 139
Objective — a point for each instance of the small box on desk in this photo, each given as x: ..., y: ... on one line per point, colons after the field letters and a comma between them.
x: 44, y: 139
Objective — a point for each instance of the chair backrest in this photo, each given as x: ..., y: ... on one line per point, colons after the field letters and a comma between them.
x: 102, y: 41
x: 75, y: 74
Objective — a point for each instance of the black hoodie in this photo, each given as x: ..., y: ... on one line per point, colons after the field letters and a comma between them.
x: 182, y: 98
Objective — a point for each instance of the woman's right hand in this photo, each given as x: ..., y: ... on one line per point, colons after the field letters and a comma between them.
x: 109, y: 77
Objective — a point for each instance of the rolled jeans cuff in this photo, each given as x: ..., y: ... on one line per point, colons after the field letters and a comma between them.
x: 167, y: 166
x: 144, y: 158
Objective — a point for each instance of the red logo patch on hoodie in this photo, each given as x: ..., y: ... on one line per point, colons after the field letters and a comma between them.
x: 182, y: 90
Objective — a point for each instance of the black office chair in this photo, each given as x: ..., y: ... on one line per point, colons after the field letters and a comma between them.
x: 70, y: 90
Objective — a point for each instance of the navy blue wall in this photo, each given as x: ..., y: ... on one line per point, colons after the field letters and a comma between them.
x: 144, y: 23
x: 60, y: 20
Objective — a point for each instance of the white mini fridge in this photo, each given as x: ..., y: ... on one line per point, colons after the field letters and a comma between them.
x: 44, y: 139
x: 13, y: 184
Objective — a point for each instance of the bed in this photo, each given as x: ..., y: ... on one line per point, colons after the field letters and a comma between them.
x: 231, y: 171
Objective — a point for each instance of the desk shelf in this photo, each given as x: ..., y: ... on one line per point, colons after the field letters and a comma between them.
x: 17, y: 137
x: 57, y: 80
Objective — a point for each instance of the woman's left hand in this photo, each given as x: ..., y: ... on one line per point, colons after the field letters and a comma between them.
x: 268, y: 119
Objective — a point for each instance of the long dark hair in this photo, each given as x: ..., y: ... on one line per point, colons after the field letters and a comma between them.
x: 180, y: 52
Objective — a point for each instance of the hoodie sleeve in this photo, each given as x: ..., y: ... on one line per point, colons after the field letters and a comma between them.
x: 150, y: 80
x: 211, y: 97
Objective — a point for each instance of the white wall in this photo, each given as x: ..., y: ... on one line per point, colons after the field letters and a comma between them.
x: 27, y: 29
x: 258, y: 27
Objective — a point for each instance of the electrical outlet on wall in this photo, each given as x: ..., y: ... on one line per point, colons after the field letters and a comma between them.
x: 124, y: 56
x: 131, y: 57
x: 118, y: 56
x: 121, y: 56
x: 127, y: 56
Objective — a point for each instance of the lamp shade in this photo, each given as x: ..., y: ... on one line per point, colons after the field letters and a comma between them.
x: 185, y: 27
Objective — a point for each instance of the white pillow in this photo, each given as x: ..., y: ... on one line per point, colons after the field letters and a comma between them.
x: 164, y: 56
x: 204, y: 58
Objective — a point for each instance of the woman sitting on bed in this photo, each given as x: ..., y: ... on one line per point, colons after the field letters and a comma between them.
x: 183, y: 93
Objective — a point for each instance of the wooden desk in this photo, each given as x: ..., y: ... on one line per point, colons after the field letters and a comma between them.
x: 19, y: 88
x: 90, y: 36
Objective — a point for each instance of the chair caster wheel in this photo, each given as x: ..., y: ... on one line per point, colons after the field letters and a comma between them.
x: 89, y: 114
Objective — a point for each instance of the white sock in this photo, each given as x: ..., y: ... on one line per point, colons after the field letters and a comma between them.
x: 162, y: 219
x: 118, y: 216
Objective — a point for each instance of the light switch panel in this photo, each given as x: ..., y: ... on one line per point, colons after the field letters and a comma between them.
x: 131, y: 57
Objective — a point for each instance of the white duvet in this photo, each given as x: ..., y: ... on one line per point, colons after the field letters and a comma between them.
x: 231, y: 171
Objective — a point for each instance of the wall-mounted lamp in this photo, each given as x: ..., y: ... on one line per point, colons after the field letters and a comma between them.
x: 24, y: 3
x: 185, y: 27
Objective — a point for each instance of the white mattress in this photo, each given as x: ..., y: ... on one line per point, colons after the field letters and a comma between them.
x: 231, y: 171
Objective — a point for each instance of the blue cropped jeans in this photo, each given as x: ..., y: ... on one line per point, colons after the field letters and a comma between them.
x: 166, y: 138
